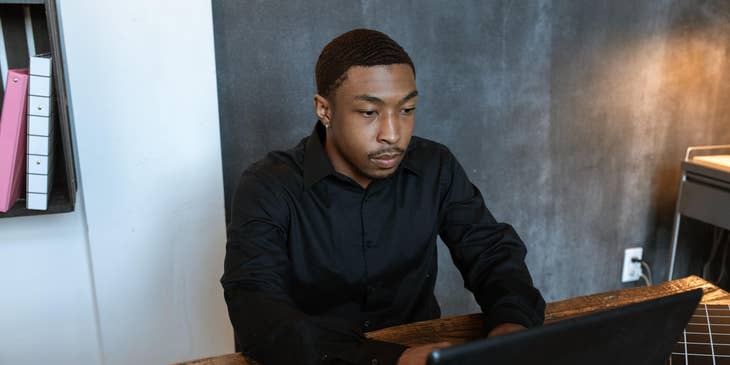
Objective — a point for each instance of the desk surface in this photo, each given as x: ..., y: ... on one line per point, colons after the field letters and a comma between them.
x: 460, y: 329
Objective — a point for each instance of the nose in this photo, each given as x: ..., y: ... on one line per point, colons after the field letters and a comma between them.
x: 388, y: 129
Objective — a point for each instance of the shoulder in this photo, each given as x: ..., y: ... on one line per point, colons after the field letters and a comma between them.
x: 427, y: 154
x: 278, y: 170
x: 437, y: 163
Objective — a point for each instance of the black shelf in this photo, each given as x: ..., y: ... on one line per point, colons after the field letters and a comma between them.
x: 23, y: 2
x: 58, y: 203
x: 46, y: 37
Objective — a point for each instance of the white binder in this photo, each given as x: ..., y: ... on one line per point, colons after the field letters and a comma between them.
x: 40, y: 133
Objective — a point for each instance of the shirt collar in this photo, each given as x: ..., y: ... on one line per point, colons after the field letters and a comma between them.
x: 317, y: 164
x: 410, y: 160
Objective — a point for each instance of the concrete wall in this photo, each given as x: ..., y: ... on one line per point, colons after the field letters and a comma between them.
x: 571, y: 117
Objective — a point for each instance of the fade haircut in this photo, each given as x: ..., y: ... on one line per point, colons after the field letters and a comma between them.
x: 359, y: 47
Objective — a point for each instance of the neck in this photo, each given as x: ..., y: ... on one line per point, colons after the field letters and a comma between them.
x: 340, y: 163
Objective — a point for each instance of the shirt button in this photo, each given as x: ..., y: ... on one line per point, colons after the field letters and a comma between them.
x: 369, y: 243
x: 374, y: 361
x: 366, y: 324
x: 324, y: 357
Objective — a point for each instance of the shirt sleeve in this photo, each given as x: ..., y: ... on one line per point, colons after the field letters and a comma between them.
x: 269, y: 327
x: 490, y: 255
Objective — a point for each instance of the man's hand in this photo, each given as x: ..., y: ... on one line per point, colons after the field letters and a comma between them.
x: 505, y: 328
x: 417, y: 355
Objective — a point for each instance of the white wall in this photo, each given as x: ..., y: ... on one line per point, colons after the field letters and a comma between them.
x: 142, y: 77
x: 46, y: 297
x: 145, y: 246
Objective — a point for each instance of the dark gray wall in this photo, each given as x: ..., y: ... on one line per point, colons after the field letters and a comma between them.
x: 570, y: 116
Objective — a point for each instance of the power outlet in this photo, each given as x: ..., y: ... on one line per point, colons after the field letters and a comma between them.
x: 632, y: 270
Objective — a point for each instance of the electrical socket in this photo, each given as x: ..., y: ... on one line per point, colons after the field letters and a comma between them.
x: 632, y: 270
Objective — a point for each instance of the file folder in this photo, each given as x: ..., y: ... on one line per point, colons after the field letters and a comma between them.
x: 40, y: 133
x: 13, y: 138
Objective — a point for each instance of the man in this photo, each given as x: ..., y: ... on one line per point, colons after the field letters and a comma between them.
x: 337, y: 236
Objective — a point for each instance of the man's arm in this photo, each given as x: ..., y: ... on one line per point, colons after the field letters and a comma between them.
x: 489, y: 255
x: 269, y: 326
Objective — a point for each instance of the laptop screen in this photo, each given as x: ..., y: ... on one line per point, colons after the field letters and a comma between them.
x: 640, y: 333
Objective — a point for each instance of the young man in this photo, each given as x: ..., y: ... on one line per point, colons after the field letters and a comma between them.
x: 337, y: 236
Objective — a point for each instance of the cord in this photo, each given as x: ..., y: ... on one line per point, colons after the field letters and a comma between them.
x: 722, y: 277
x: 646, y: 280
x: 716, y: 241
x: 648, y: 270
x: 645, y: 265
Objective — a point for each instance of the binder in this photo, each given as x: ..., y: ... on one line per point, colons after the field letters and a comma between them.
x: 40, y: 133
x: 13, y: 138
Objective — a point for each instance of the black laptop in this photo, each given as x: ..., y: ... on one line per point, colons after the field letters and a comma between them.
x: 636, y: 334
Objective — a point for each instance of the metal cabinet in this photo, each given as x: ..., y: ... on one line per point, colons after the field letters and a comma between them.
x: 704, y: 191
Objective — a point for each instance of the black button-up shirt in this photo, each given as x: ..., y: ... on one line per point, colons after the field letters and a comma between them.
x: 313, y: 260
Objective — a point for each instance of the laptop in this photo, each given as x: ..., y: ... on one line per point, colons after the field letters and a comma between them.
x: 637, y: 334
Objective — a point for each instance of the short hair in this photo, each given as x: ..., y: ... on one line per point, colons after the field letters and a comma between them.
x: 359, y: 47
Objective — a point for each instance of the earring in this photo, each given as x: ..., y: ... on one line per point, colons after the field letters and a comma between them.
x: 326, y: 125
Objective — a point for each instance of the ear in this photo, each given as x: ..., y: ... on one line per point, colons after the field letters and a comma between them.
x: 323, y: 109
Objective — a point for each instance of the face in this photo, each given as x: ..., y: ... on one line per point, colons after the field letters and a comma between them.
x: 371, y: 117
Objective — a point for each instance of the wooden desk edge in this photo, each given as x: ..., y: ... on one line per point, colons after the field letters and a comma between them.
x: 464, y: 328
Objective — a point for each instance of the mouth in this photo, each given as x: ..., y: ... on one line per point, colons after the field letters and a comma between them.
x: 386, y: 160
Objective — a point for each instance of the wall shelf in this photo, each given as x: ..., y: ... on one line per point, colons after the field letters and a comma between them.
x: 23, y: 2
x: 40, y: 17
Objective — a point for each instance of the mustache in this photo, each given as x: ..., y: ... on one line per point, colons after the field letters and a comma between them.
x: 386, y: 151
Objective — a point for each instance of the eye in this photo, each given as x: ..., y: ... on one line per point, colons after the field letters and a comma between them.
x: 368, y: 113
x: 408, y: 111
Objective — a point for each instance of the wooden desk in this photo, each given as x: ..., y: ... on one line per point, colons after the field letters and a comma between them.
x: 460, y: 329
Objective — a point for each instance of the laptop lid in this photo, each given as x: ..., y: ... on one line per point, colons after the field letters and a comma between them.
x: 640, y: 333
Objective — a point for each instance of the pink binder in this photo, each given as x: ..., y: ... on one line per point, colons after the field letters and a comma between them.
x: 13, y: 138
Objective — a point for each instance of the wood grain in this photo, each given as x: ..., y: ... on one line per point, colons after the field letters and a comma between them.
x: 460, y: 329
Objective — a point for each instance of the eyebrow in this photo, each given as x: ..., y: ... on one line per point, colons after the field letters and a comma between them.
x: 376, y: 100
